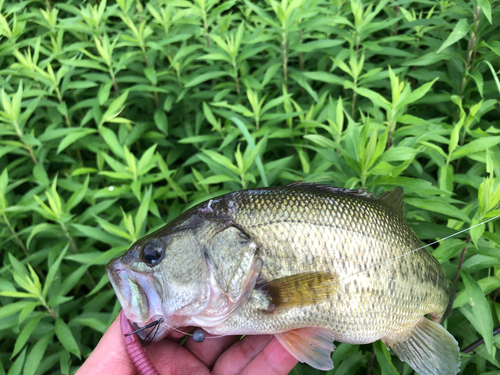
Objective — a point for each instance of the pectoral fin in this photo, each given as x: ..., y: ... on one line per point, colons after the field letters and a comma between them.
x: 310, y: 345
x: 428, y: 348
x: 299, y: 290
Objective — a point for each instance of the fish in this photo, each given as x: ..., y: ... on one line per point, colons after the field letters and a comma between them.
x: 308, y: 263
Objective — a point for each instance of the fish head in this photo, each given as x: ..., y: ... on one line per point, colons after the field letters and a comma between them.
x: 163, y: 275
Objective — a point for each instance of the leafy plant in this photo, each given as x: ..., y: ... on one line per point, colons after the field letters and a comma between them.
x: 117, y: 116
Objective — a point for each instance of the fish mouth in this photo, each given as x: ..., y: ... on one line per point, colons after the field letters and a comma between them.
x: 139, y: 297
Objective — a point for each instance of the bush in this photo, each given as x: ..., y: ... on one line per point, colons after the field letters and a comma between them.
x: 115, y: 117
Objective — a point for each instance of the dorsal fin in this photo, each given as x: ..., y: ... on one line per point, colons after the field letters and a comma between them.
x: 329, y: 188
x: 394, y: 199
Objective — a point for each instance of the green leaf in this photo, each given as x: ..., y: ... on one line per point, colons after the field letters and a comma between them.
x: 217, y: 179
x: 222, y: 160
x: 74, y: 136
x: 495, y: 76
x: 322, y: 141
x: 486, y: 8
x: 36, y: 354
x: 459, y: 31
x: 41, y: 175
x: 209, y: 116
x: 78, y: 195
x: 13, y: 308
x: 375, y: 97
x: 66, y: 338
x: 384, y: 358
x: 112, y: 141
x: 439, y: 207
x: 324, y: 77
x: 161, y: 121
x: 17, y: 366
x: 146, y: 162
x: 418, y: 93
x: 39, y: 228
x: 205, y: 77
x: 103, y: 94
x: 480, y: 310
x: 18, y: 294
x: 251, y: 144
x: 477, y: 145
x: 141, y: 215
x: 84, y: 170
x: 54, y: 268
x: 300, y: 79
x: 317, y: 44
x: 487, y: 285
x: 25, y: 334
x: 113, y: 229
x: 199, y: 138
x: 114, y: 108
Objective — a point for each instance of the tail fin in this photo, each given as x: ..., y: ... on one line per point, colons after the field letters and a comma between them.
x: 428, y: 348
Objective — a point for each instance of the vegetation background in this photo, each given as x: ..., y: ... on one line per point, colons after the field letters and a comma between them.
x: 115, y: 117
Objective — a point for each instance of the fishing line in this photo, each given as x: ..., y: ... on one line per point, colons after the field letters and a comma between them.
x: 422, y: 247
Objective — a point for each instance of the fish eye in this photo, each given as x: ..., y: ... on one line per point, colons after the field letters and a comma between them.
x: 152, y: 252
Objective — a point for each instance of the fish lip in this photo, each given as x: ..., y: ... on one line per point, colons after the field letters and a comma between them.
x: 137, y: 293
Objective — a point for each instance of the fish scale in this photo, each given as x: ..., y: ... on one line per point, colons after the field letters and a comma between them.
x: 309, y: 263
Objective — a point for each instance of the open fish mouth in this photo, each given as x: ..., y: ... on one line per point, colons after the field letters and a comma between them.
x: 139, y: 297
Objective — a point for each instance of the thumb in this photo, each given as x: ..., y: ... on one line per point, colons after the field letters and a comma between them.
x: 110, y: 355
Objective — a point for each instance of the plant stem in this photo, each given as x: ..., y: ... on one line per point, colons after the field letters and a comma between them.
x: 152, y: 84
x: 115, y: 85
x: 15, y: 235
x: 475, y: 344
x: 461, y: 261
x: 301, y: 61
x: 236, y: 78
x: 285, y: 59
x: 49, y: 309
x: 472, y: 42
x: 205, y: 26
x: 391, y: 129
x: 28, y: 147
x: 395, y: 32
x: 31, y: 153
x: 372, y: 359
x: 21, y: 244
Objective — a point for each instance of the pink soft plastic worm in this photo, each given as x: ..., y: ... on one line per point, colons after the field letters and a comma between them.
x: 135, y: 349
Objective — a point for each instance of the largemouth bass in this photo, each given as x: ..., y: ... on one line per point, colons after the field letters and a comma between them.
x: 309, y: 263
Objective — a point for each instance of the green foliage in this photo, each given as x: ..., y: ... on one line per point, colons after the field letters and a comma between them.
x: 115, y: 117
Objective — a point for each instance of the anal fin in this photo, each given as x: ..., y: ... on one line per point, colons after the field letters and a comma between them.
x: 428, y: 348
x: 310, y: 345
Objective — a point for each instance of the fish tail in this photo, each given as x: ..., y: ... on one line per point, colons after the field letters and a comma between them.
x: 428, y: 348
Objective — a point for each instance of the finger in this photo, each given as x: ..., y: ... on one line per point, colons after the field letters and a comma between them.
x: 211, y: 348
x: 170, y: 358
x: 110, y: 355
x: 273, y: 359
x: 238, y: 356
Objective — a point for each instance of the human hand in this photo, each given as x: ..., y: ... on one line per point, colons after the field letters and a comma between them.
x: 225, y: 355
